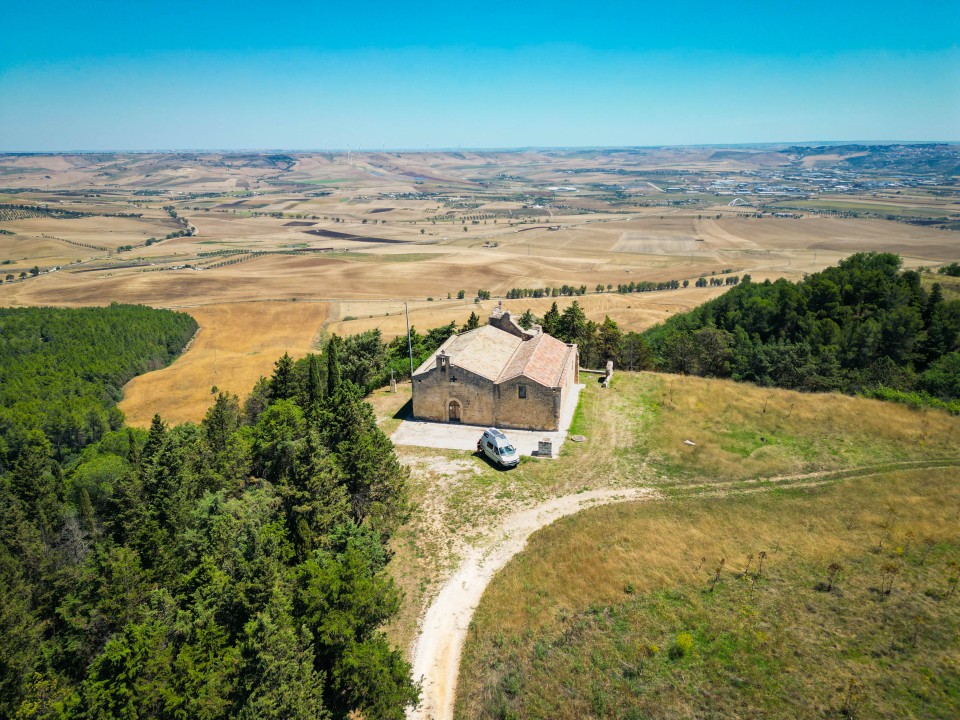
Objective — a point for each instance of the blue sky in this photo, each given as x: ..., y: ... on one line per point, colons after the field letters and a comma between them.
x: 242, y: 75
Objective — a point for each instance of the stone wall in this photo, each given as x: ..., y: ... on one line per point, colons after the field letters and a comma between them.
x: 484, y: 403
x: 433, y: 391
x: 502, y: 319
x: 539, y: 410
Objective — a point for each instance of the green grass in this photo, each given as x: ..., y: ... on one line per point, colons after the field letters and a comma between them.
x: 867, y: 207
x: 634, y: 434
x: 742, y: 431
x: 610, y: 613
x: 950, y: 286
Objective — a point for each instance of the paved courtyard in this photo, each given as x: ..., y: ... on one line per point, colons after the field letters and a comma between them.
x: 453, y: 436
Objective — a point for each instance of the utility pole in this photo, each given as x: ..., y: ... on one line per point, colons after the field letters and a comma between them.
x: 406, y: 310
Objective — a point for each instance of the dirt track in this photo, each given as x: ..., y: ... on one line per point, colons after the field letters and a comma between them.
x: 436, y: 659
x: 443, y: 630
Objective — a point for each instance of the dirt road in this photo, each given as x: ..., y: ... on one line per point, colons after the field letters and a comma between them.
x: 436, y: 660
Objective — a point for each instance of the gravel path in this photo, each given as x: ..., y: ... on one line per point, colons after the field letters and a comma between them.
x: 443, y: 630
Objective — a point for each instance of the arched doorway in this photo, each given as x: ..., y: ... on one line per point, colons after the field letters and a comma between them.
x: 453, y: 411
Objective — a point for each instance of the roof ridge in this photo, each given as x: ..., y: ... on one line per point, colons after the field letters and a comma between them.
x: 524, y: 344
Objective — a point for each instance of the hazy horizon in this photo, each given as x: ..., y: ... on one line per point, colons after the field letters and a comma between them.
x: 526, y: 148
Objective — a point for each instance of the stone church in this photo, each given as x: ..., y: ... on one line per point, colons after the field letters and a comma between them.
x: 497, y: 375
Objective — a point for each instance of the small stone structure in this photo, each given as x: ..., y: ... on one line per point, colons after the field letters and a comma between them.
x: 497, y: 375
x: 609, y: 376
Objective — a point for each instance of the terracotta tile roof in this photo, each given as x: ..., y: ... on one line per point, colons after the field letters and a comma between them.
x: 499, y: 356
x: 542, y: 359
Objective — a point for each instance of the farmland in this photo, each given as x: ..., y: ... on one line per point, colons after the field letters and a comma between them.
x: 371, y: 234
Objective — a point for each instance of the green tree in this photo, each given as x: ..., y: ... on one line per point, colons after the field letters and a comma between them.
x: 374, y: 478
x: 609, y: 342
x: 473, y: 322
x: 21, y: 630
x: 155, y: 439
x: 344, y: 598
x: 314, y: 386
x: 573, y: 324
x: 282, y: 385
x: 35, y: 485
x: 635, y: 353
x: 276, y: 436
x: 221, y: 421
x: 551, y: 321
x: 257, y: 401
x: 333, y: 366
x: 276, y: 677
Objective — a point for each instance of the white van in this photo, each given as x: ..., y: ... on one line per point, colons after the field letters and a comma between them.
x: 496, y: 446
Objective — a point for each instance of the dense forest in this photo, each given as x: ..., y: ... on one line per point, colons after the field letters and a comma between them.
x: 228, y: 569
x: 61, y: 370
x: 863, y: 326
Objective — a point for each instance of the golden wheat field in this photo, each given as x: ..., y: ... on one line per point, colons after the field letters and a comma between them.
x: 235, y: 345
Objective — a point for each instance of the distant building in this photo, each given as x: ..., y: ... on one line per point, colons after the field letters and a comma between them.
x: 497, y: 375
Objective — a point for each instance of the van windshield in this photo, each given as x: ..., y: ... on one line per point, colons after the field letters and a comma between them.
x: 508, y: 450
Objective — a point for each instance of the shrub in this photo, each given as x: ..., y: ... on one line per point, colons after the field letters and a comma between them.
x: 682, y: 646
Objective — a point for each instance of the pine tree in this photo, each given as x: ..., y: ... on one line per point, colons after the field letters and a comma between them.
x: 34, y: 483
x: 551, y: 321
x: 133, y: 449
x: 257, y: 401
x: 282, y: 382
x: 573, y: 324
x: 155, y: 439
x: 609, y: 341
x: 221, y: 421
x: 473, y: 322
x: 527, y: 320
x: 276, y: 676
x: 374, y: 478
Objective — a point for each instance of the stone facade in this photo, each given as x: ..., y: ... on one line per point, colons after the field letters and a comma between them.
x: 497, y: 375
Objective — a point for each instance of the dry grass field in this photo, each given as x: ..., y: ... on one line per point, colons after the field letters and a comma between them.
x: 747, y: 438
x: 636, y: 311
x: 236, y: 344
x: 600, y: 617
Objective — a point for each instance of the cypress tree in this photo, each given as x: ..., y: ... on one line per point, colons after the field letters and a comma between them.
x: 313, y: 384
x: 333, y: 366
